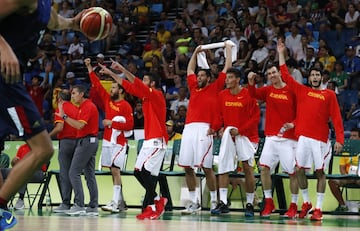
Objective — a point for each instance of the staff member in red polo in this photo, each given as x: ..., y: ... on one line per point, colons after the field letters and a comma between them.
x: 66, y: 135
x: 86, y: 123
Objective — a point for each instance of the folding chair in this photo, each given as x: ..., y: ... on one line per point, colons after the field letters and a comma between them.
x: 33, y: 196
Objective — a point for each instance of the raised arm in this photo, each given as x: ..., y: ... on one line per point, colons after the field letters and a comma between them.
x: 57, y: 22
x: 107, y: 71
x: 228, y: 60
x: 192, y: 63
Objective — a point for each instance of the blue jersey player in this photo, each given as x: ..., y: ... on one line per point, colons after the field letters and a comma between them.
x: 22, y: 22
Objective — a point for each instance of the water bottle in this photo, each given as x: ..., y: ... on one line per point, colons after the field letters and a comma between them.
x: 281, y: 131
x: 48, y: 202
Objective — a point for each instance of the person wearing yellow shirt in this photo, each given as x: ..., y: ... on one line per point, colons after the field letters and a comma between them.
x: 171, y: 132
x: 162, y: 34
x: 347, y: 165
x: 148, y: 55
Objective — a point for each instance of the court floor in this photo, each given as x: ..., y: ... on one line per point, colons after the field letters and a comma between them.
x: 173, y: 221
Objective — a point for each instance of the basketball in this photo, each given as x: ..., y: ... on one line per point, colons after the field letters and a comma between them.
x: 96, y: 23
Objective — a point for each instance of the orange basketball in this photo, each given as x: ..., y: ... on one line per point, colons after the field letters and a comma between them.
x: 96, y: 23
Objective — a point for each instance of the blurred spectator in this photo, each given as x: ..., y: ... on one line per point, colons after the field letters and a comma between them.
x: 339, y: 76
x: 179, y: 27
x: 326, y: 58
x: 210, y: 15
x: 168, y: 24
x: 172, y: 92
x: 162, y: 35
x: 133, y: 68
x: 282, y: 18
x: 148, y: 55
x: 38, y: 175
x: 351, y: 64
x: 351, y: 16
x: 294, y: 71
x: 38, y: 88
x: 238, y: 37
x: 180, y: 122
x: 307, y: 62
x: 59, y: 64
x: 271, y: 29
x: 293, y: 8
x: 168, y: 53
x: 217, y: 34
x: 256, y: 34
x: 182, y: 44
x: 325, y: 79
x: 173, y: 135
x: 138, y: 115
x: 244, y: 54
x: 71, y: 80
x: 261, y: 53
x: 181, y: 61
x: 335, y: 13
x: 270, y: 60
x: 182, y: 99
x: 76, y: 51
x: 169, y: 74
x: 66, y: 9
x: 293, y: 40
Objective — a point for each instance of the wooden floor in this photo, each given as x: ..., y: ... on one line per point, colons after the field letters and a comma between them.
x: 174, y: 221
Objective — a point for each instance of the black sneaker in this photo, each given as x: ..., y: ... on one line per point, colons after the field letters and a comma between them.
x: 249, y: 210
x: 220, y: 208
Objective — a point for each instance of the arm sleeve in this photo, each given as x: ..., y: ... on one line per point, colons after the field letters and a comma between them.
x: 257, y: 93
x: 95, y: 84
x: 336, y: 119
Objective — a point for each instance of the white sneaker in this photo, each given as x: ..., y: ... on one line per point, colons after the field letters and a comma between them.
x: 213, y: 205
x: 191, y: 208
x: 112, y: 206
x: 19, y: 204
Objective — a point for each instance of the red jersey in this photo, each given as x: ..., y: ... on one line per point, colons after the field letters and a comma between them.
x: 154, y: 108
x: 280, y: 108
x: 25, y: 149
x: 68, y: 131
x: 89, y: 115
x: 203, y: 101
x: 314, y: 110
x: 37, y: 94
x: 240, y: 111
x: 112, y: 109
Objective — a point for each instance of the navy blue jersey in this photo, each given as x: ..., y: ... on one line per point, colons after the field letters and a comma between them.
x: 23, y: 31
x: 18, y: 113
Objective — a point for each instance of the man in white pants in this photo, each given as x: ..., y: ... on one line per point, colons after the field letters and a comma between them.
x: 197, y: 139
x: 280, y: 141
x: 240, y: 115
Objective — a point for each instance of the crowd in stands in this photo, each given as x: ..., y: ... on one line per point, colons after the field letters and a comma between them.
x: 158, y: 37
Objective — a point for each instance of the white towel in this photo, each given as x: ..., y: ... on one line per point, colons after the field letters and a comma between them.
x: 201, y: 56
x: 115, y: 133
x: 227, y: 153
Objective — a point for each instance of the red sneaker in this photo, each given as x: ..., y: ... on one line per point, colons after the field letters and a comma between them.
x: 148, y: 213
x: 305, y: 209
x: 160, y: 205
x: 269, y: 207
x: 292, y: 212
x: 317, y: 215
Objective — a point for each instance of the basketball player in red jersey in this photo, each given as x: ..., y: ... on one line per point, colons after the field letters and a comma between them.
x: 240, y: 115
x: 197, y: 139
x: 278, y: 147
x: 149, y: 160
x: 315, y: 108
